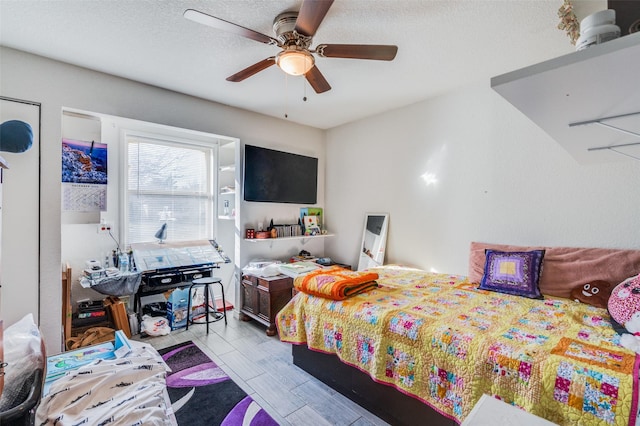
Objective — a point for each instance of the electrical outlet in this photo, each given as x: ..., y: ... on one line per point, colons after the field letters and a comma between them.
x: 104, y: 228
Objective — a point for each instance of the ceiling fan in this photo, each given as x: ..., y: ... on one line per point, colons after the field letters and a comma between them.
x: 294, y: 33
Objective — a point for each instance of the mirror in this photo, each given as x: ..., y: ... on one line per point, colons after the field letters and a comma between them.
x: 374, y: 240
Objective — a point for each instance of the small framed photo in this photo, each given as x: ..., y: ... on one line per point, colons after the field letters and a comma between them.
x: 311, y: 225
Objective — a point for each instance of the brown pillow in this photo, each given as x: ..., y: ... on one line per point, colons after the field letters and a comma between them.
x: 566, y: 267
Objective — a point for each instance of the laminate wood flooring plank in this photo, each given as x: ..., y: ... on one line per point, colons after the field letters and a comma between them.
x: 332, y: 409
x: 307, y: 416
x: 276, y: 394
x: 285, y: 372
x: 272, y: 411
x: 274, y: 346
x: 241, y: 365
x: 234, y: 330
x: 216, y: 343
x: 363, y: 421
x: 157, y: 342
x: 251, y: 348
x: 367, y: 418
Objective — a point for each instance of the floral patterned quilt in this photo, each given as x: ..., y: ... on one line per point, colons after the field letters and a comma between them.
x: 441, y: 340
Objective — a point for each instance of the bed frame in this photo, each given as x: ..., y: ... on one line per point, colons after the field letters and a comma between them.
x: 384, y: 401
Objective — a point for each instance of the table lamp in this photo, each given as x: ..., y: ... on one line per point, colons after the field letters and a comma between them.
x: 161, y: 234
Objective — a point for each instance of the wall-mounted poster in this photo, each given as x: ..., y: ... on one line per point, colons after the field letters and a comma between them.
x: 84, y: 175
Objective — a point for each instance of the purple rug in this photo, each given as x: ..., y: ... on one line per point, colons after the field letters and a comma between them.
x: 202, y: 394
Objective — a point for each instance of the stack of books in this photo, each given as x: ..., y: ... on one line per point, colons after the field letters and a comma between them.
x: 294, y: 230
x: 302, y: 258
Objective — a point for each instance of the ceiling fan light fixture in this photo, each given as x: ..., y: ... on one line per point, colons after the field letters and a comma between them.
x: 295, y: 62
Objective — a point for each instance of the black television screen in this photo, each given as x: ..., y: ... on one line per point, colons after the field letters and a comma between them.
x: 279, y: 177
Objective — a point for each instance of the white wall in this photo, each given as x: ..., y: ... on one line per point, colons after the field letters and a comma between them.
x: 499, y: 178
x: 57, y: 85
x: 20, y: 245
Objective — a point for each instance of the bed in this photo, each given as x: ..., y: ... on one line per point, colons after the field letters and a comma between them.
x: 427, y: 346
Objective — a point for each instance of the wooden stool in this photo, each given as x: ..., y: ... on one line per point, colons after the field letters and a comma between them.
x: 210, y: 316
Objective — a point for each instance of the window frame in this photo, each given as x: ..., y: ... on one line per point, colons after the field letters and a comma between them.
x: 210, y: 144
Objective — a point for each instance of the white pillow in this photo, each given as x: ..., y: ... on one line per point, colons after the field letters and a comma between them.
x: 23, y: 356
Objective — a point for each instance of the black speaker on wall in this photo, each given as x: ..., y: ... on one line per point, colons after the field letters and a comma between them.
x: 627, y: 15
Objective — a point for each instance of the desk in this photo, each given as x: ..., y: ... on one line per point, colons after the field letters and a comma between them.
x: 173, y: 264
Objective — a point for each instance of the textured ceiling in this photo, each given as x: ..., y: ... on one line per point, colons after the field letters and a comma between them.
x: 441, y: 45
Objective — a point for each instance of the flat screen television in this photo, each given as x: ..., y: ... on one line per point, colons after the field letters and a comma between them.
x: 279, y: 177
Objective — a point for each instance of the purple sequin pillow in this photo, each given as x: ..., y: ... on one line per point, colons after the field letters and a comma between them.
x: 516, y: 273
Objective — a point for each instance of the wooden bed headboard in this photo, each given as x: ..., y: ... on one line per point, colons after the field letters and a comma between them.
x: 563, y: 268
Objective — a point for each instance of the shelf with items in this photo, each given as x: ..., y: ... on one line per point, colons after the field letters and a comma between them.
x: 227, y: 190
x: 304, y: 238
x: 226, y: 206
x: 226, y: 183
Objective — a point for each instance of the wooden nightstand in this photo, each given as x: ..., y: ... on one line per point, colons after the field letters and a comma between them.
x: 263, y: 297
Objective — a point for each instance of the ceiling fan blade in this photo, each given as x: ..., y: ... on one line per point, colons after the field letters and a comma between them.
x: 311, y: 14
x: 253, y: 69
x: 317, y: 80
x: 221, y: 24
x: 377, y: 52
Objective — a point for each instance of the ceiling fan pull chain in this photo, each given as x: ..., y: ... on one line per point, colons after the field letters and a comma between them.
x: 304, y: 94
x: 286, y: 95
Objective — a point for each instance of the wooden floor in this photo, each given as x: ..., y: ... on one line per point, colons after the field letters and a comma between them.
x: 262, y: 366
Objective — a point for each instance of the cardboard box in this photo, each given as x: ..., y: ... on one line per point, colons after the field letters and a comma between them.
x: 94, y: 274
x: 177, y: 303
x: 119, y: 315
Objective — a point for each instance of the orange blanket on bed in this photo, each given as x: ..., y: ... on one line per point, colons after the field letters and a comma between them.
x: 335, y: 282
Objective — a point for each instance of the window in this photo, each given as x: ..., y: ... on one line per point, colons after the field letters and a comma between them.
x: 169, y: 182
